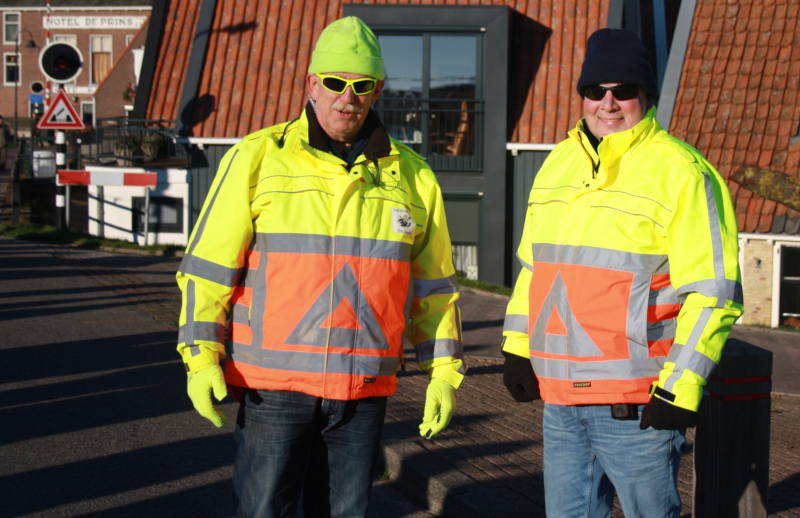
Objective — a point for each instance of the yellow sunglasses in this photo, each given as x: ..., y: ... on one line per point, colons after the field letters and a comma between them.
x: 338, y: 85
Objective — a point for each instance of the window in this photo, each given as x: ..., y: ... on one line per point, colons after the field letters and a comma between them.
x: 10, y: 28
x: 789, y: 283
x: 432, y: 97
x: 166, y: 214
x: 11, y: 69
x: 87, y: 113
x: 100, y: 58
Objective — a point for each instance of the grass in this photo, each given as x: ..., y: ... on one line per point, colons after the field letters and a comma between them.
x: 483, y: 286
x: 50, y: 234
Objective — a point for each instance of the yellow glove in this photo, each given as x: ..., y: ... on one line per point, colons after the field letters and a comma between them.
x: 440, y: 404
x: 199, y: 386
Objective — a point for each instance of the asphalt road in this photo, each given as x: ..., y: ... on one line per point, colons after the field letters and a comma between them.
x: 94, y: 420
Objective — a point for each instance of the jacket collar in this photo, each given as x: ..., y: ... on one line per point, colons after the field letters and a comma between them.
x: 378, y: 142
x: 622, y: 141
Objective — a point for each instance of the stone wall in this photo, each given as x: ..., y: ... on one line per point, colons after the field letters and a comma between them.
x: 757, y: 282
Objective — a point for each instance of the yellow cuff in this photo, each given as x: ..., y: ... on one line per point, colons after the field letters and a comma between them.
x: 517, y: 343
x: 197, y: 362
x: 449, y: 374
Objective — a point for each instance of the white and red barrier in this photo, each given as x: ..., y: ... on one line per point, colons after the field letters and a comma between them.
x: 106, y: 177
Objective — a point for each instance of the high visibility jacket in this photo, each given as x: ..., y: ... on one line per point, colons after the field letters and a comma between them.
x: 630, y: 270
x: 305, y: 275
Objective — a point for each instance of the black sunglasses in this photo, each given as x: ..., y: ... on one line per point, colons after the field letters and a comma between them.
x: 620, y: 92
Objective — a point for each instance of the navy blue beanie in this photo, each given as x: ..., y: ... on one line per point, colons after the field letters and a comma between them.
x: 617, y: 56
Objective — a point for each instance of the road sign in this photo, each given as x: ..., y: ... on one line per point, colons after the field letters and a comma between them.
x: 61, y: 115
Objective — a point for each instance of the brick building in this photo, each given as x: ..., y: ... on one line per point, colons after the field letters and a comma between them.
x: 103, y: 31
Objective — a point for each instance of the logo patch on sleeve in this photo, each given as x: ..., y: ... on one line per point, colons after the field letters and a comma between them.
x: 402, y: 222
x: 582, y: 384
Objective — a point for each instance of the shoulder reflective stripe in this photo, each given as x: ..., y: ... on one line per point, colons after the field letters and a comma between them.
x: 634, y: 368
x: 525, y: 265
x: 425, y: 287
x: 293, y: 176
x: 316, y: 327
x: 638, y: 214
x: 333, y: 363
x: 517, y: 323
x: 320, y: 244
x: 576, y: 341
x: 664, y: 296
x: 554, y: 188
x: 600, y: 257
x: 202, y: 223
x: 194, y: 350
x: 724, y: 289
x: 210, y: 331
x: 301, y: 191
x: 688, y: 357
x: 439, y: 348
x: 547, y: 202
x: 208, y: 270
x: 240, y: 314
x: 398, y: 202
x: 716, y: 235
x: 663, y: 330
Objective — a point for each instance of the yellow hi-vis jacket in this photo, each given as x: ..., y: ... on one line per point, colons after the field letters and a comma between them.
x: 630, y: 278
x: 305, y: 276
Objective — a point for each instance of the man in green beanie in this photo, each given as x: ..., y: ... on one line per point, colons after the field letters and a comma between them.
x: 322, y: 245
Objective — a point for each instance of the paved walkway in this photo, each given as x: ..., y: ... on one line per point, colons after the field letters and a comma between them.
x: 488, y: 462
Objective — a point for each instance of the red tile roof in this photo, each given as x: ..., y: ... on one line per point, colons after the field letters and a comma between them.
x: 258, y: 53
x: 738, y: 99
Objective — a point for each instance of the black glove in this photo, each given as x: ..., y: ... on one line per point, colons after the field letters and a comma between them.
x: 662, y: 415
x: 519, y: 379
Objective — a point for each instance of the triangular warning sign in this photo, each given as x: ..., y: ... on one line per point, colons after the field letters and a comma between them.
x: 562, y: 332
x: 351, y: 323
x: 61, y: 114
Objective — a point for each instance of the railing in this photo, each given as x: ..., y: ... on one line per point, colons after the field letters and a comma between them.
x: 448, y: 132
x: 136, y: 142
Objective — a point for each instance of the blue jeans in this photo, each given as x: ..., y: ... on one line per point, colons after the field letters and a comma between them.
x: 291, y: 444
x: 588, y: 455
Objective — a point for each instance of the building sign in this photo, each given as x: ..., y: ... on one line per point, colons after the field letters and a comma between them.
x: 93, y: 22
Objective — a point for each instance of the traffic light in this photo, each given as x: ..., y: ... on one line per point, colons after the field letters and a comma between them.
x: 60, y: 61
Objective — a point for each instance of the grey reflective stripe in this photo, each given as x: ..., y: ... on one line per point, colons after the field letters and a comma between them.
x: 194, y: 350
x: 663, y: 297
x: 210, y: 331
x: 301, y: 191
x: 724, y: 289
x: 297, y: 361
x: 259, y: 300
x: 601, y: 258
x: 316, y: 328
x: 202, y: 224
x: 663, y: 330
x: 636, y: 332
x: 240, y: 314
x: 442, y: 347
x: 525, y: 265
x: 210, y: 271
x: 634, y: 368
x: 425, y: 287
x: 402, y: 204
x: 688, y: 357
x: 517, y: 323
x: 577, y: 341
x: 637, y: 196
x: 189, y: 311
x: 321, y: 244
x: 716, y: 234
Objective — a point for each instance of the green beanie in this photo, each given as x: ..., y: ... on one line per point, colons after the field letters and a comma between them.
x: 347, y: 45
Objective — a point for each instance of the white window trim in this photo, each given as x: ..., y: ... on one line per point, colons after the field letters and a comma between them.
x: 777, y: 273
x: 19, y: 27
x: 94, y: 114
x: 19, y: 69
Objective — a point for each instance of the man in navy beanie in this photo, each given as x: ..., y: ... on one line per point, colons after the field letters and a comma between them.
x: 629, y: 288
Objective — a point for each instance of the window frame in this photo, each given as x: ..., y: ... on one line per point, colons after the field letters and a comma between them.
x: 92, y: 39
x: 19, y: 69
x: 6, y: 41
x: 156, y: 226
